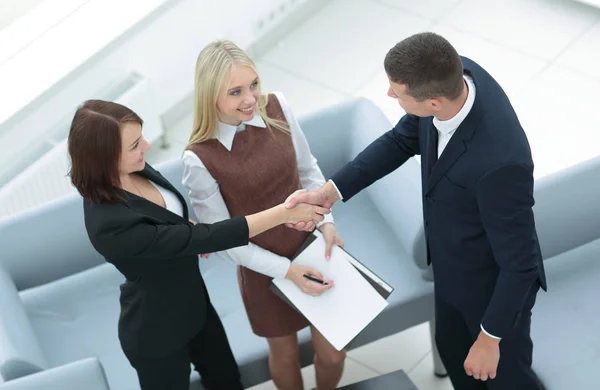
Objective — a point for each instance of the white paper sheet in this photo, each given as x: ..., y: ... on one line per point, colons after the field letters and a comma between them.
x: 342, y: 312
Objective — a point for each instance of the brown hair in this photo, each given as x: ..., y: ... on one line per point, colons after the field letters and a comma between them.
x: 95, y: 149
x: 428, y: 65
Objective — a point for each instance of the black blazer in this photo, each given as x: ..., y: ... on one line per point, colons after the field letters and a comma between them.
x: 164, y: 300
x: 477, y: 203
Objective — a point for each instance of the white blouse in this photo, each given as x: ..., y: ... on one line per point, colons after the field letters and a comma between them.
x: 172, y: 202
x: 208, y: 203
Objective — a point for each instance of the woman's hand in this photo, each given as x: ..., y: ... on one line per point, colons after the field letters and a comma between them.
x: 331, y: 237
x: 295, y: 274
x: 304, y: 213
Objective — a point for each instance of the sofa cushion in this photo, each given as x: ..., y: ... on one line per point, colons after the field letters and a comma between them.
x: 566, y: 320
x: 83, y: 374
x: 20, y: 354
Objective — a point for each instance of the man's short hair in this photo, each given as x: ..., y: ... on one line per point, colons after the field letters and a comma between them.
x: 428, y: 65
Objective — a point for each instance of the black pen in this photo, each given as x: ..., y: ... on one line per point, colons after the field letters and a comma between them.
x: 316, y: 280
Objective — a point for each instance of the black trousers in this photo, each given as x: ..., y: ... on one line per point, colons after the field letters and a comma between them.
x: 455, y: 333
x: 208, y: 351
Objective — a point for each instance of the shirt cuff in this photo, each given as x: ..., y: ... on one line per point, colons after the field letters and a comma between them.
x: 336, y: 189
x: 281, y: 270
x: 490, y: 335
x: 266, y: 262
x: 327, y: 218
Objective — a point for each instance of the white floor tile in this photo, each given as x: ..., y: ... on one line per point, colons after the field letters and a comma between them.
x: 403, y: 350
x: 356, y: 372
x: 376, y: 90
x: 557, y: 112
x: 353, y: 372
x: 511, y: 68
x: 344, y: 44
x: 431, y: 9
x: 584, y: 54
x: 540, y: 27
x: 424, y: 378
x: 303, y: 95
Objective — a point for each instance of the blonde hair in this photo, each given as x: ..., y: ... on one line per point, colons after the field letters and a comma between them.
x: 213, y: 64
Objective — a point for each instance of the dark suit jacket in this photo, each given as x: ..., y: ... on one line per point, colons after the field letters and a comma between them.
x: 477, y: 203
x: 164, y: 300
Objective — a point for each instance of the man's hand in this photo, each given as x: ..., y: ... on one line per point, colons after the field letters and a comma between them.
x: 325, y: 196
x: 483, y: 358
x: 331, y: 237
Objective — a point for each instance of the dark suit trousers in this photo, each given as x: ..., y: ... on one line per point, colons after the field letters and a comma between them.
x: 208, y: 351
x: 456, y: 331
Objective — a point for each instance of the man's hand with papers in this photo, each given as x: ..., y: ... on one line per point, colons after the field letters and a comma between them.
x: 296, y: 274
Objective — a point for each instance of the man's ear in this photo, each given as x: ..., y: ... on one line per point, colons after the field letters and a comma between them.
x: 436, y: 104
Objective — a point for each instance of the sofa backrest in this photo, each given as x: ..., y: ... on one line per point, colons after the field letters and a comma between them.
x: 46, y: 243
x: 567, y: 209
x: 20, y: 353
x: 339, y: 133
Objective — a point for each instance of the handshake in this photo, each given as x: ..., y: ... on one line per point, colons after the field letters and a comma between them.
x: 306, y: 208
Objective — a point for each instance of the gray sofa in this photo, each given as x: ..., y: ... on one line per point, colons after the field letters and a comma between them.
x: 59, y: 300
x: 66, y: 297
x: 566, y: 319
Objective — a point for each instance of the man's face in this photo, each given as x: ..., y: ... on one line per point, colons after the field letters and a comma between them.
x: 408, y: 103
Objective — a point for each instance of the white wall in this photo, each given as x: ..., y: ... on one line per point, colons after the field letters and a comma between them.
x: 163, y: 48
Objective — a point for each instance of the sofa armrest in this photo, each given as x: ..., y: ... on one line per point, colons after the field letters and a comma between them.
x: 46, y: 243
x: 85, y: 374
x: 567, y: 210
x: 20, y: 353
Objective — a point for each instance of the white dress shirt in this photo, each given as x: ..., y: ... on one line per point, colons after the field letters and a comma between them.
x: 208, y: 203
x: 447, y: 128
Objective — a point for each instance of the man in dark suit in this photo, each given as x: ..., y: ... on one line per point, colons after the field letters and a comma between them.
x: 477, y: 174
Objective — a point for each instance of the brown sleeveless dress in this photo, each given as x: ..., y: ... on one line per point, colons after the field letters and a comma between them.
x: 259, y: 172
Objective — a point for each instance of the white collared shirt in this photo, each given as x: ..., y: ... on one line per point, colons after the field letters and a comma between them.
x: 446, y: 129
x: 208, y: 203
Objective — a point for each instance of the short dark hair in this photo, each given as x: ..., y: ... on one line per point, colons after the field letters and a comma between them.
x: 428, y: 65
x: 94, y: 146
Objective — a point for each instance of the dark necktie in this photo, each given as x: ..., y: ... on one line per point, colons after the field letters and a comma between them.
x: 432, y: 152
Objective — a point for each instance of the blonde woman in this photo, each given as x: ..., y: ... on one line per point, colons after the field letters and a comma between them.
x: 247, y: 151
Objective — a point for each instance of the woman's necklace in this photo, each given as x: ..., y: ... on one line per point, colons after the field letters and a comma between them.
x: 136, y: 187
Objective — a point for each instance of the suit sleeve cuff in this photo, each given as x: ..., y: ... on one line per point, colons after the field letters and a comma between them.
x: 488, y: 334
x: 240, y: 232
